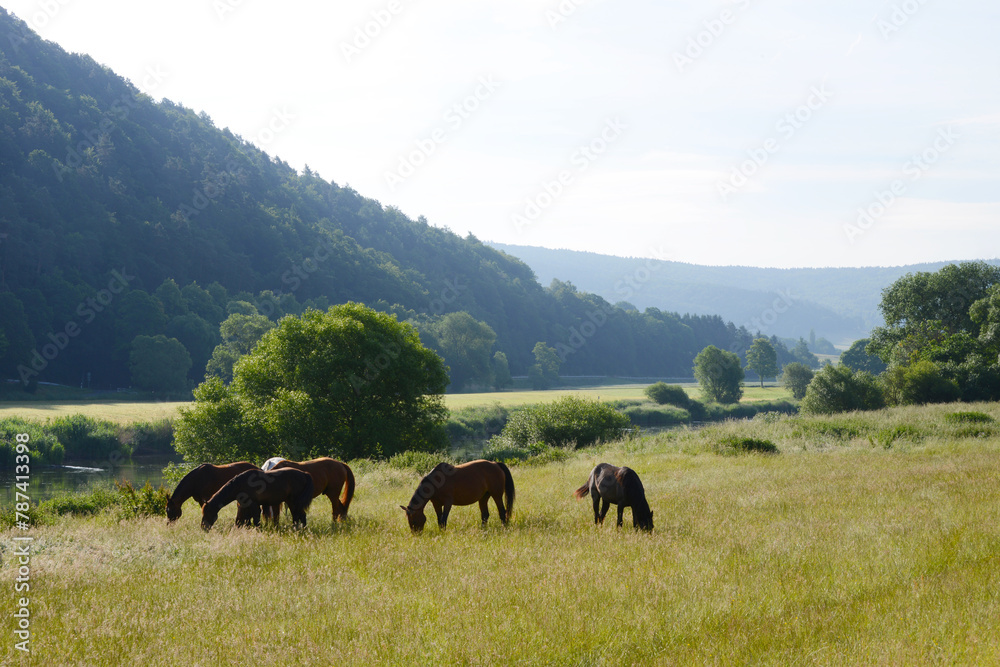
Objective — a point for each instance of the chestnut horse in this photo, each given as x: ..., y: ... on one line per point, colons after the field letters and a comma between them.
x: 329, y: 476
x: 472, y: 482
x: 622, y: 487
x: 256, y: 487
x: 202, y: 483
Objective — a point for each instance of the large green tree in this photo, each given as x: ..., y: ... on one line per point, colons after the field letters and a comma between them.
x: 159, y: 363
x: 762, y: 359
x: 349, y: 382
x: 796, y: 377
x: 720, y: 375
x: 544, y: 373
x: 466, y: 344
x: 240, y: 332
x: 856, y: 357
x: 929, y: 306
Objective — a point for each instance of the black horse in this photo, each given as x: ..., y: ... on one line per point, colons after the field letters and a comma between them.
x: 622, y: 487
x: 254, y: 488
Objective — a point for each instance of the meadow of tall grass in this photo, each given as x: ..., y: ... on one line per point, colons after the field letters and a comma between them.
x: 868, y: 538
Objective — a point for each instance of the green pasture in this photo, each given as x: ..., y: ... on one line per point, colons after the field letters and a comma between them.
x: 870, y: 539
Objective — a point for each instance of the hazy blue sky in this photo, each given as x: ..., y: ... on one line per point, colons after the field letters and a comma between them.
x: 767, y: 133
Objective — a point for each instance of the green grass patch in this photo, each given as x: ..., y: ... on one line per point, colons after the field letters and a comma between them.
x: 857, y: 555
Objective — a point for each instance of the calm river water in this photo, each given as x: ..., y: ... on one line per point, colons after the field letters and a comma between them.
x: 47, y: 481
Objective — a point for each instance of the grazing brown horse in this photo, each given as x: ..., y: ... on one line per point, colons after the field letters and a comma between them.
x: 202, y: 483
x: 256, y: 487
x: 622, y: 487
x: 472, y: 482
x: 329, y: 476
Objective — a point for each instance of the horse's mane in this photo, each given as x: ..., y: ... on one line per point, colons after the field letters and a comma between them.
x: 635, y: 494
x: 419, y: 499
x: 183, y: 491
x: 228, y: 492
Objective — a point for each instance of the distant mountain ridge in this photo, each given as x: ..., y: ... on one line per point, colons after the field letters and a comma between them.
x: 840, y: 304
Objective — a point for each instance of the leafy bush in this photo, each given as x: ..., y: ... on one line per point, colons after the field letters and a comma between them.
x: 839, y: 389
x: 716, y: 412
x: 476, y: 423
x: 123, y: 500
x: 886, y: 437
x: 668, y: 394
x: 968, y: 417
x: 567, y: 421
x: 86, y: 438
x: 734, y: 444
x: 647, y: 415
x: 532, y: 454
x: 43, y: 448
x: 147, y: 501
x: 82, y: 504
x: 148, y: 437
x: 923, y: 382
x: 420, y: 462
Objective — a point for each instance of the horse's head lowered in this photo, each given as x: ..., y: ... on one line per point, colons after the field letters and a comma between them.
x: 415, y: 517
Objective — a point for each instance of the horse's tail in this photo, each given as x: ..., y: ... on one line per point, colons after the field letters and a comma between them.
x: 585, y: 489
x: 508, y: 487
x: 348, y: 490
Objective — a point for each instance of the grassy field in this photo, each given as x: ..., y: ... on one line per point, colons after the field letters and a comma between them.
x: 127, y: 412
x: 119, y: 412
x: 870, y: 539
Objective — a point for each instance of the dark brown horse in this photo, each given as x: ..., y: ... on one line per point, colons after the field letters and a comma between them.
x: 202, y: 483
x: 329, y: 477
x: 472, y: 482
x: 622, y: 487
x: 256, y: 487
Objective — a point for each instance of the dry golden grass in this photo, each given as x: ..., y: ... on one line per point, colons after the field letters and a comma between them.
x: 122, y: 413
x: 840, y: 550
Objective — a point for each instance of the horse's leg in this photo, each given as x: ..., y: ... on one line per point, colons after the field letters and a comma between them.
x: 498, y: 499
x: 605, y: 506
x: 334, y: 505
x: 597, y: 507
x: 443, y: 516
x: 255, y: 516
x: 439, y: 511
x: 621, y: 513
x: 484, y: 508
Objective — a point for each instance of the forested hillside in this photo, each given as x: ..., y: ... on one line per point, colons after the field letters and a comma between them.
x: 126, y: 222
